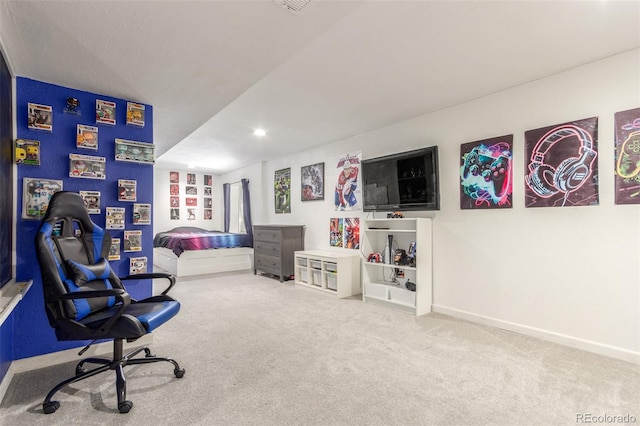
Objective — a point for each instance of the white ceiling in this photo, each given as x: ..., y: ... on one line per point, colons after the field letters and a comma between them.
x: 215, y: 70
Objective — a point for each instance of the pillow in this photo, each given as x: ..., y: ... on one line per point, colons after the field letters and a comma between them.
x: 90, y: 277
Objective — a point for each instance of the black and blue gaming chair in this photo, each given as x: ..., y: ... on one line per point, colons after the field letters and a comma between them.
x: 85, y: 300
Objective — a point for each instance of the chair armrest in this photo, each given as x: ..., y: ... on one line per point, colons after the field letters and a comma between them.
x: 152, y: 275
x: 118, y: 293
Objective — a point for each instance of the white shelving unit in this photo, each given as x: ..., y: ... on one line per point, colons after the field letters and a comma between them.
x: 333, y: 272
x: 378, y: 282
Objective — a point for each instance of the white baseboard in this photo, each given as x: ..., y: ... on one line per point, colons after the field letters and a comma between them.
x: 574, y: 342
x: 104, y: 349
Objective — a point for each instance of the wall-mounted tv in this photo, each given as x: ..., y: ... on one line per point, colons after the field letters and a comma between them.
x: 403, y: 181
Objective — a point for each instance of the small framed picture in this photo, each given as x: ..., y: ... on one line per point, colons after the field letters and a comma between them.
x: 40, y: 117
x: 312, y: 181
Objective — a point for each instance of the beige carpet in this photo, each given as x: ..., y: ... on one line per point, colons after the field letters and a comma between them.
x: 260, y: 352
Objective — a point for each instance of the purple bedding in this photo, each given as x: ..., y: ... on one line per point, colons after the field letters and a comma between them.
x: 192, y: 238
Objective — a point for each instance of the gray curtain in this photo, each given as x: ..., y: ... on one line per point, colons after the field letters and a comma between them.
x: 226, y: 193
x: 247, y: 206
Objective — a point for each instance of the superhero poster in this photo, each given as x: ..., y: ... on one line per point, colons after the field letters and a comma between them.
x: 627, y: 154
x: 351, y: 238
x: 562, y: 166
x: 347, y: 192
x: 336, y: 228
x: 282, y: 190
x: 486, y: 173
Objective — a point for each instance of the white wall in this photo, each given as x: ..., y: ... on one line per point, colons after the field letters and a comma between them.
x: 566, y: 274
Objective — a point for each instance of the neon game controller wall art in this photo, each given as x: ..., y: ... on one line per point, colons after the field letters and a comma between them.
x: 486, y: 175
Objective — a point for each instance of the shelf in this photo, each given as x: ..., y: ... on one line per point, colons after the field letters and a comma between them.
x: 10, y: 295
x: 333, y: 272
x: 390, y: 265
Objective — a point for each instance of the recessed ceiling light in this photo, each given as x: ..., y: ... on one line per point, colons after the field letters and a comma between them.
x: 260, y: 132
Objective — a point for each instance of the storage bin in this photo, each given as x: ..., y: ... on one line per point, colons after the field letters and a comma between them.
x: 332, y: 281
x: 302, y: 261
x: 303, y: 275
x: 317, y: 278
x: 315, y: 264
x: 330, y: 267
x: 379, y: 291
x: 403, y: 296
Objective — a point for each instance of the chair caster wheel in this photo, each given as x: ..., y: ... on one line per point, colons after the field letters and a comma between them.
x: 179, y: 372
x: 125, y: 407
x: 50, y: 407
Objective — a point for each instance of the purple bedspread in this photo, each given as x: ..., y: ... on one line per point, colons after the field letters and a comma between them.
x: 192, y: 238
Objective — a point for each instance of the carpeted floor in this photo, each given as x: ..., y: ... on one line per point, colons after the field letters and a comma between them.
x: 260, y: 352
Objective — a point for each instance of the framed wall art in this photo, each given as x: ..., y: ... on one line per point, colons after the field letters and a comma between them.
x: 312, y: 182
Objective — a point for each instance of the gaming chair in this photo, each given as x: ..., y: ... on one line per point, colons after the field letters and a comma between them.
x: 85, y: 300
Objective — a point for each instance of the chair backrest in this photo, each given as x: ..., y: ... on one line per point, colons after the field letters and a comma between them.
x: 72, y: 252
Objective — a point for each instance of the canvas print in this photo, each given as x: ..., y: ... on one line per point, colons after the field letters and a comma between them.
x: 207, y: 191
x: 336, y: 230
x: 36, y: 194
x: 562, y: 170
x: 191, y: 178
x: 191, y: 201
x: 115, y: 218
x: 132, y: 241
x: 40, y: 117
x: 137, y: 265
x: 347, y: 193
x: 208, y: 214
x: 27, y: 151
x: 351, y: 239
x: 174, y: 214
x: 191, y: 214
x: 312, y: 182
x: 174, y: 201
x: 282, y: 190
x: 91, y: 201
x: 191, y: 190
x: 486, y: 173
x: 87, y: 137
x: 174, y: 177
x: 114, y: 249
x: 135, y: 152
x: 142, y: 214
x: 208, y: 180
x: 127, y: 190
x: 627, y: 153
x: 135, y: 114
x: 174, y: 189
x: 87, y: 166
x: 208, y: 203
x: 105, y: 112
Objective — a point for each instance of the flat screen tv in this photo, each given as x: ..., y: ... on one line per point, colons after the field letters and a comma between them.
x: 403, y: 181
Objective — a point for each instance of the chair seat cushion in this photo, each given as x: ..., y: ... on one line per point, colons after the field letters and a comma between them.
x: 138, y: 319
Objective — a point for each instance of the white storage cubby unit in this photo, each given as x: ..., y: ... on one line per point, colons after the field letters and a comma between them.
x: 378, y: 278
x: 334, y: 272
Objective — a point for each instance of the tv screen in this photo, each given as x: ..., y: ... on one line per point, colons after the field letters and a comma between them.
x: 403, y: 181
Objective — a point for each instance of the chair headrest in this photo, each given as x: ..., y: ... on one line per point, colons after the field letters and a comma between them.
x: 68, y: 206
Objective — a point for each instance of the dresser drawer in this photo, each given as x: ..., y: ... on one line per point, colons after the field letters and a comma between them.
x: 266, y: 264
x: 272, y: 235
x: 266, y: 248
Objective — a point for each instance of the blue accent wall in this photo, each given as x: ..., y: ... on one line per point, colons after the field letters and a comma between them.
x: 32, y: 334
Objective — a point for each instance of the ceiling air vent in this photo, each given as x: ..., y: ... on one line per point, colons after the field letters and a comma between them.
x: 294, y: 6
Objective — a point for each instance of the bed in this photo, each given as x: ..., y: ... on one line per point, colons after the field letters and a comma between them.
x: 189, y: 250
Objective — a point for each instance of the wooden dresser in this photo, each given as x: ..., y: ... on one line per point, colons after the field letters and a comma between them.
x: 274, y: 247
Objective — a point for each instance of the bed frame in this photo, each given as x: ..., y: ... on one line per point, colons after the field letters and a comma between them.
x: 198, y: 262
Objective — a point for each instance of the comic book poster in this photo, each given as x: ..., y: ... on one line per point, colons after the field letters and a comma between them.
x: 208, y: 180
x: 27, y: 151
x: 174, y: 202
x: 336, y: 230
x: 282, y: 190
x: 562, y: 170
x: 135, y: 114
x: 191, y: 201
x: 174, y: 189
x: 127, y: 190
x: 351, y: 239
x: 137, y: 265
x: 87, y: 166
x: 627, y: 157
x: 135, y: 152
x: 486, y: 173
x: 114, y: 249
x: 312, y: 182
x: 174, y: 214
x: 174, y: 177
x: 40, y: 117
x: 91, y: 201
x: 105, y: 112
x: 115, y: 218
x: 191, y: 214
x: 208, y: 214
x: 36, y: 194
x: 191, y: 190
x: 142, y: 214
x: 191, y: 178
x: 347, y: 192
x: 208, y: 203
x: 132, y: 241
x: 207, y: 191
x: 87, y: 137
